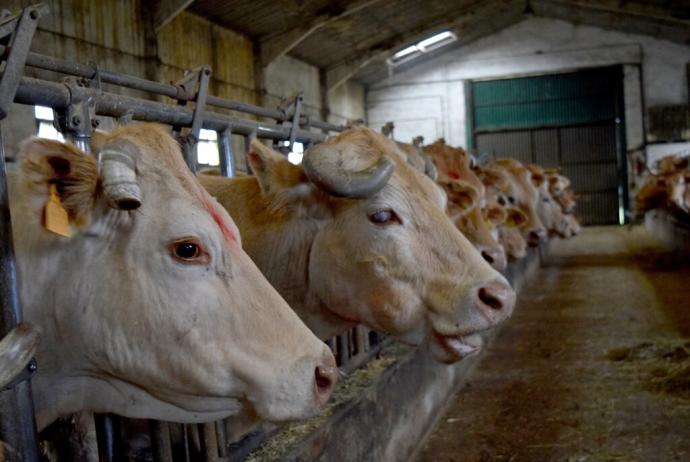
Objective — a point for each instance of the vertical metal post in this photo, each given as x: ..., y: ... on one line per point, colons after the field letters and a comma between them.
x: 160, y: 440
x: 227, y: 157
x: 17, y: 421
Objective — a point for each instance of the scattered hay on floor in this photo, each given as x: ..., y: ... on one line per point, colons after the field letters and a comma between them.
x: 661, y: 367
x: 675, y: 382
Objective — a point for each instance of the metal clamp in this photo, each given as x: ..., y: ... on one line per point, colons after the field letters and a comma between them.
x: 201, y: 77
x: 79, y: 118
x: 387, y: 129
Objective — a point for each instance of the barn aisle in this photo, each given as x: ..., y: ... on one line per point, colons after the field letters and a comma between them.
x: 594, y: 365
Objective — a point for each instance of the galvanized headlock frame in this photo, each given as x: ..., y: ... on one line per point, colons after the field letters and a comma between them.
x: 78, y: 100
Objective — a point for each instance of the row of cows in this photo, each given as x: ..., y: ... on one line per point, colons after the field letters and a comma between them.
x: 666, y: 187
x: 192, y: 299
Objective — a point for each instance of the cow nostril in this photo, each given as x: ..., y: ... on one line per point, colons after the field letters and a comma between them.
x: 490, y: 300
x: 325, y: 379
x: 487, y: 256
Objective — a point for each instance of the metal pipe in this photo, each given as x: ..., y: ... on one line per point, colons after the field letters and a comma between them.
x: 58, y: 96
x: 176, y: 92
x: 17, y: 421
x: 227, y: 158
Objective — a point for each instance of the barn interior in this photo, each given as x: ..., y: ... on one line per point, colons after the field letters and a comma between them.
x: 594, y: 362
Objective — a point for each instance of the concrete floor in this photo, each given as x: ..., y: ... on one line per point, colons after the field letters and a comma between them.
x: 593, y: 366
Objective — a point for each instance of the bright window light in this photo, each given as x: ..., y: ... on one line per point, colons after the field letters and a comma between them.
x: 44, y: 121
x: 43, y: 113
x: 295, y: 156
x: 207, y: 148
x: 423, y: 46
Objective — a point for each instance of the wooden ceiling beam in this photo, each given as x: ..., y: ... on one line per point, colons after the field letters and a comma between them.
x: 276, y: 45
x: 165, y: 11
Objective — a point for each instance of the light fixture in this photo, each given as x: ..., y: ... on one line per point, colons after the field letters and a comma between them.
x: 423, y: 46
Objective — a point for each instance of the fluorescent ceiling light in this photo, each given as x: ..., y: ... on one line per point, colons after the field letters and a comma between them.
x: 435, y: 39
x: 423, y: 46
x: 405, y: 52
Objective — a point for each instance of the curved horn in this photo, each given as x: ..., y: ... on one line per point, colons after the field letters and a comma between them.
x: 118, y: 170
x: 16, y: 350
x: 324, y: 168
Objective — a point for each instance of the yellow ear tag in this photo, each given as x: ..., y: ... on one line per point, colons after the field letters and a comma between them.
x: 55, y: 218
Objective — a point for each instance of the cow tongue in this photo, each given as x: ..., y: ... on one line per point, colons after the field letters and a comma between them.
x: 457, y: 347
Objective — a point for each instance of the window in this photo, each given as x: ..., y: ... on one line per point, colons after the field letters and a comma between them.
x: 296, y: 154
x: 207, y: 148
x: 423, y: 46
x: 44, y: 124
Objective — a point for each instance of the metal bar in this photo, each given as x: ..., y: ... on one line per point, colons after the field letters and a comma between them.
x: 160, y: 441
x: 177, y: 92
x: 17, y: 421
x: 341, y: 345
x: 222, y: 438
x: 227, y: 158
x: 57, y: 95
x: 108, y: 440
x: 210, y: 442
x: 14, y: 64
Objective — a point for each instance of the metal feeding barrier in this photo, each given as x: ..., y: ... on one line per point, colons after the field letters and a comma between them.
x: 80, y: 105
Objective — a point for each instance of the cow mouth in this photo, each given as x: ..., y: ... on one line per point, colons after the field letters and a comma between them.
x: 453, y: 348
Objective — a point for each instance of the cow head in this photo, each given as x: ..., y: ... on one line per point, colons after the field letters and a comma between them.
x: 383, y: 251
x: 455, y: 169
x: 151, y: 309
x: 521, y: 192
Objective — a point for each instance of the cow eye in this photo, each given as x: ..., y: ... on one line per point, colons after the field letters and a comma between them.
x: 384, y: 217
x: 189, y: 251
x: 511, y: 199
x: 546, y: 199
x: 501, y: 200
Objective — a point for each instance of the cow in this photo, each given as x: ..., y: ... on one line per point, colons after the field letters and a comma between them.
x: 355, y: 234
x: 466, y: 198
x: 521, y: 193
x: 147, y: 305
x: 508, y: 230
x: 549, y: 211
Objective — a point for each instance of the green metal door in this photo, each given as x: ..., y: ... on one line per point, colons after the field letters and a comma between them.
x: 572, y: 121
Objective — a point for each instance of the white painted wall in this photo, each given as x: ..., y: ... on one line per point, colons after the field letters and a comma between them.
x: 429, y: 99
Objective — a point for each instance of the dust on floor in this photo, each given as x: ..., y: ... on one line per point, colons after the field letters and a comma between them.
x: 593, y: 366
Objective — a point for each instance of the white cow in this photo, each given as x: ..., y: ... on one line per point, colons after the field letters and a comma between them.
x: 151, y: 309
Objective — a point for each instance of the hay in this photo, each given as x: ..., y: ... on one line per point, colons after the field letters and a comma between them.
x: 347, y: 390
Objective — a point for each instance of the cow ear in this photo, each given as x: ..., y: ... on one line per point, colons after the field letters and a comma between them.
x: 496, y: 215
x: 515, y: 218
x: 73, y: 173
x: 284, y: 183
x: 537, y: 179
x: 462, y: 195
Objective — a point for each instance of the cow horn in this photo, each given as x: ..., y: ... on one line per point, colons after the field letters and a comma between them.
x: 323, y: 166
x: 117, y: 166
x: 16, y: 349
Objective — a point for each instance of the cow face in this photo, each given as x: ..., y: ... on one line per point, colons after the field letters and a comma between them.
x: 454, y: 166
x: 521, y: 193
x: 383, y: 251
x: 151, y: 309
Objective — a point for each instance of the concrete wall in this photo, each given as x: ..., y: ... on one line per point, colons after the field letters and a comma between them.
x: 429, y: 99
